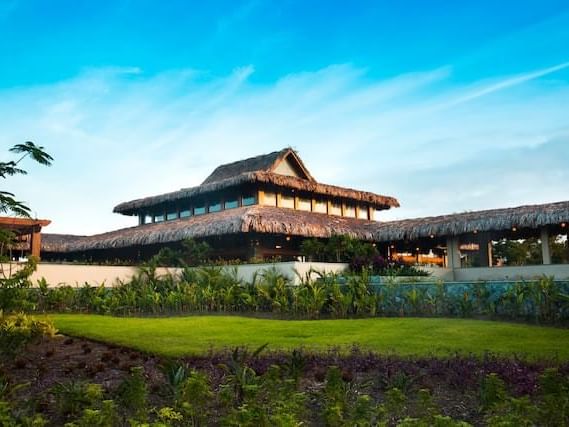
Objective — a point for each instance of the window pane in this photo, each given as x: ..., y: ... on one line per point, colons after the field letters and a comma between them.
x: 287, y: 201
x: 231, y: 204
x: 159, y: 218
x: 171, y: 215
x: 148, y: 219
x: 320, y: 206
x: 185, y: 213
x: 362, y: 212
x: 214, y: 207
x: 350, y: 211
x: 270, y: 199
x: 304, y: 204
x: 248, y: 200
x: 200, y: 210
x: 335, y: 209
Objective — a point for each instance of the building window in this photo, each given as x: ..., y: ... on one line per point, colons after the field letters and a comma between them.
x: 248, y: 200
x: 304, y: 204
x: 231, y: 204
x: 335, y: 209
x: 287, y: 201
x: 185, y: 213
x: 320, y: 206
x: 214, y: 207
x: 199, y: 210
x: 171, y: 215
x: 350, y: 211
x: 362, y: 212
x: 147, y: 219
x: 270, y: 199
x: 159, y: 218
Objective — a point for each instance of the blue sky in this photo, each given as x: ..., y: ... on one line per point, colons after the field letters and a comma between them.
x: 449, y: 106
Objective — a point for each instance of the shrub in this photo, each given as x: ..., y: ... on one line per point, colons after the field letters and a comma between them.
x: 20, y: 329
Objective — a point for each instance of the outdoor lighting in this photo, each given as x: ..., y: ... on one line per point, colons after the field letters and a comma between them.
x: 514, y: 229
x: 432, y: 236
x: 278, y: 246
x: 288, y: 238
x: 392, y: 246
x: 418, y: 249
x: 374, y: 245
x: 475, y: 232
x: 563, y: 225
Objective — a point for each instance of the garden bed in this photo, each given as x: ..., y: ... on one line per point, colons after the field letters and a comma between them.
x: 58, y: 372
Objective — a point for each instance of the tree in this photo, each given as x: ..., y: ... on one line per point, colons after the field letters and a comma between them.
x: 8, y: 202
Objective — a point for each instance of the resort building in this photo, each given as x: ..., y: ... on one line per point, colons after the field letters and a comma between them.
x: 265, y: 206
x: 260, y: 207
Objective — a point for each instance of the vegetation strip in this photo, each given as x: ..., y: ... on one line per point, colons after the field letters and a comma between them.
x: 194, y: 335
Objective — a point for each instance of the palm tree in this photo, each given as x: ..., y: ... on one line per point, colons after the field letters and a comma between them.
x: 8, y: 202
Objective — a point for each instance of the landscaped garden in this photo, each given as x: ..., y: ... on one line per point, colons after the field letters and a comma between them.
x: 203, y: 348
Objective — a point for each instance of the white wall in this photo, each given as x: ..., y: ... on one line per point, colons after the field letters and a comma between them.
x: 527, y: 272
x: 76, y: 274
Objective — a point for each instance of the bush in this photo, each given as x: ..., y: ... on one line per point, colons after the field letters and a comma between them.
x: 20, y: 329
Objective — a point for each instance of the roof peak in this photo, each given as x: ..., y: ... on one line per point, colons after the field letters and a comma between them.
x: 271, y: 162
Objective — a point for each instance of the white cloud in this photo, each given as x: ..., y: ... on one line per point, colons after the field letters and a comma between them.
x: 118, y: 134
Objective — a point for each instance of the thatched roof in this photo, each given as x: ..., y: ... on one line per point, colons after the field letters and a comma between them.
x: 531, y: 216
x: 265, y: 219
x: 132, y: 207
x: 57, y: 242
x: 262, y: 163
x: 260, y: 219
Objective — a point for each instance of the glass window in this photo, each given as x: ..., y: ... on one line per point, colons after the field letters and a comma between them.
x: 335, y: 208
x: 320, y: 206
x: 362, y: 212
x: 185, y: 213
x: 199, y: 210
x: 270, y: 199
x: 248, y: 200
x: 159, y: 218
x: 304, y: 204
x: 171, y: 215
x: 214, y: 207
x: 147, y: 219
x: 350, y: 211
x: 287, y: 201
x: 231, y: 204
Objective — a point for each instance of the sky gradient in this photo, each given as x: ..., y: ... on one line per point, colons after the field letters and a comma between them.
x: 448, y: 107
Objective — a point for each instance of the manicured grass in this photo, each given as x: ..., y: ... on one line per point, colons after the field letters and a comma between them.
x: 178, y: 336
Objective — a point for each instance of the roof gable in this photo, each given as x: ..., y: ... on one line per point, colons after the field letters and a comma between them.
x: 284, y: 162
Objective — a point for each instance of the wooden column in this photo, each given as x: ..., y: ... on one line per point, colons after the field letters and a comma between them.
x: 36, y: 242
x: 545, y: 252
x: 329, y: 207
x: 370, y: 213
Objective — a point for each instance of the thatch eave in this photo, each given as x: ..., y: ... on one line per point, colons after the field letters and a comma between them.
x: 529, y: 216
x: 281, y: 181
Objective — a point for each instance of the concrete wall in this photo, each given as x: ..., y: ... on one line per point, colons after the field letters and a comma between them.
x: 75, y: 274
x: 528, y: 272
x: 294, y: 270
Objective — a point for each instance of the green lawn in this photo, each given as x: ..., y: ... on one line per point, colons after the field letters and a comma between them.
x: 177, y: 336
